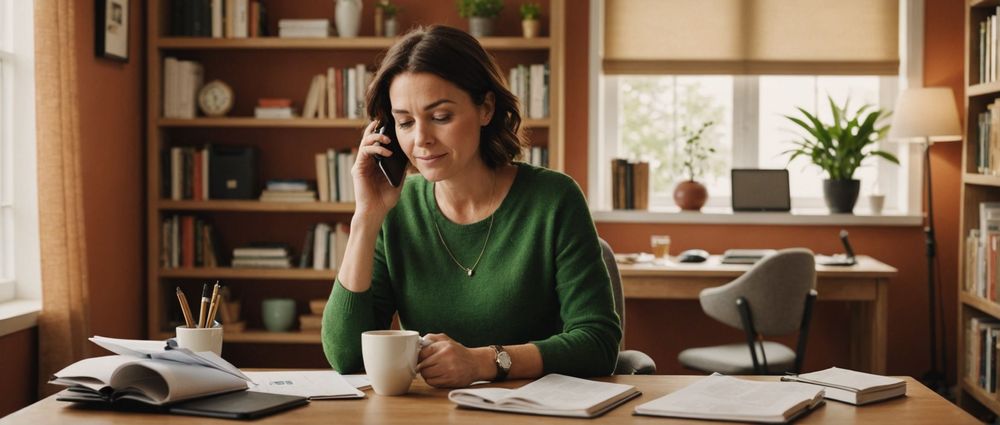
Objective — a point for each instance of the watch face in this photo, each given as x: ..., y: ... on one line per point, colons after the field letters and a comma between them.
x: 215, y: 98
x: 503, y: 359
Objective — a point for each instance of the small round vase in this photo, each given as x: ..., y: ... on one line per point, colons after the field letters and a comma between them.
x: 480, y: 27
x: 530, y: 28
x: 690, y: 195
x: 348, y: 18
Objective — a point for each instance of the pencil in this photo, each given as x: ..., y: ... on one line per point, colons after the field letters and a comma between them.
x: 216, y: 304
x: 185, y: 308
x: 204, y: 306
x: 212, y: 306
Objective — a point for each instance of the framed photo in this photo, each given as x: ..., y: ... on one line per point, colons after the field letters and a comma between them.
x: 112, y: 29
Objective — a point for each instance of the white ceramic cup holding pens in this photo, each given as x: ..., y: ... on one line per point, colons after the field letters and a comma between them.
x: 201, y: 339
x: 390, y: 359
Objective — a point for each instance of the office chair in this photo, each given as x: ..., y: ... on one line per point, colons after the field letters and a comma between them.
x: 774, y: 297
x: 630, y: 362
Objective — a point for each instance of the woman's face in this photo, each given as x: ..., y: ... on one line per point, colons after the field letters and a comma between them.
x: 437, y: 124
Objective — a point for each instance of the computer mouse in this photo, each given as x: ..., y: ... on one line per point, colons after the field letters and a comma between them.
x: 693, y: 256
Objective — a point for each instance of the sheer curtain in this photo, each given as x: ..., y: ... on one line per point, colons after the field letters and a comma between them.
x: 64, y: 323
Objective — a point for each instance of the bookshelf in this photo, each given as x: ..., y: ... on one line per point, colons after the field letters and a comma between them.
x: 976, y: 188
x: 281, y: 67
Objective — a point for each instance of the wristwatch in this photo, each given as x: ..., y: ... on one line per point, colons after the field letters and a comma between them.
x: 502, y: 361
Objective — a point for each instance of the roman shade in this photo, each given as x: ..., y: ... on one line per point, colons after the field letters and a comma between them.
x: 843, y: 37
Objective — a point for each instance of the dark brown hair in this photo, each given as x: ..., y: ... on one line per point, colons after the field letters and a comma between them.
x: 458, y: 58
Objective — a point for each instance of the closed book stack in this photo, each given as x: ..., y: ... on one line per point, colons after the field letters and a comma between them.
x: 850, y: 386
x: 313, y: 322
x: 288, y: 191
x: 304, y: 28
x: 274, y: 108
x: 262, y: 255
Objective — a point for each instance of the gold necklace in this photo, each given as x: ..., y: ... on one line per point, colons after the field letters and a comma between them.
x: 470, y: 270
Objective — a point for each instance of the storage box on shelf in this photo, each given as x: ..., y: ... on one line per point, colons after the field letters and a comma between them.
x: 256, y: 68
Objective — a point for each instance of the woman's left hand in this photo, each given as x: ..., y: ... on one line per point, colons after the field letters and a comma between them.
x: 446, y: 363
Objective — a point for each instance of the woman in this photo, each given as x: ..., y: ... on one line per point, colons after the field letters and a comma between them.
x: 497, y: 261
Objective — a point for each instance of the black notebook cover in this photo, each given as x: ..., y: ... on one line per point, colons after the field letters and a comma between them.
x: 239, y: 405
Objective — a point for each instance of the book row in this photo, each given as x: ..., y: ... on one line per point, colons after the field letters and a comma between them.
x: 986, y: 49
x: 987, y: 148
x: 981, y: 337
x: 340, y: 92
x: 188, y: 241
x: 982, y: 254
x: 217, y: 18
x: 629, y: 185
x: 530, y: 83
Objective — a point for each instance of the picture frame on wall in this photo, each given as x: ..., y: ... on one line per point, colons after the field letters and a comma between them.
x: 111, y: 27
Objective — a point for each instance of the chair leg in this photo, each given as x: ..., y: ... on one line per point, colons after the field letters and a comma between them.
x: 800, y: 349
x: 751, y: 333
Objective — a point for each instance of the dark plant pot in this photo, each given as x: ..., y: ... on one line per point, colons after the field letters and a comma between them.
x: 690, y: 195
x: 841, y: 195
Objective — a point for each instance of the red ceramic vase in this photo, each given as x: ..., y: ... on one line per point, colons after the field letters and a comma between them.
x: 690, y: 195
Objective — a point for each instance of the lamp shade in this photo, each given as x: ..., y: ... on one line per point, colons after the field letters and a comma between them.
x: 925, y: 114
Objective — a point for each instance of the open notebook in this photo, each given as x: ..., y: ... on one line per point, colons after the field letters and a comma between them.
x: 724, y: 398
x: 552, y: 394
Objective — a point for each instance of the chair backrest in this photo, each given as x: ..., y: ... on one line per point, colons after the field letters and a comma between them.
x: 775, y: 288
x: 616, y: 284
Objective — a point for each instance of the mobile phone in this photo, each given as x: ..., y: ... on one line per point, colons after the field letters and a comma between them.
x: 393, y: 167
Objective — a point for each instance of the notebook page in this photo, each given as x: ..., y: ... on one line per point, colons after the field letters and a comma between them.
x: 313, y: 384
x: 93, y: 373
x: 554, y: 391
x: 165, y: 381
x: 725, y: 397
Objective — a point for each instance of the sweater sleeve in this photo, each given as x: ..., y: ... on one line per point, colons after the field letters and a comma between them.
x: 588, y: 344
x: 348, y: 314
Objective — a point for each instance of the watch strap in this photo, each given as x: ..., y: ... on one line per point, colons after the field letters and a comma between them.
x: 501, y: 370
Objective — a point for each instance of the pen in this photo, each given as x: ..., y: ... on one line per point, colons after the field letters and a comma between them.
x: 204, y: 305
x: 184, y: 308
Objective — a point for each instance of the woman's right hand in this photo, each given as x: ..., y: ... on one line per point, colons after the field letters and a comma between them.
x: 373, y: 194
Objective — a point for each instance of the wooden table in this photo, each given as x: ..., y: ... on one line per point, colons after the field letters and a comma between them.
x: 426, y: 405
x: 865, y: 284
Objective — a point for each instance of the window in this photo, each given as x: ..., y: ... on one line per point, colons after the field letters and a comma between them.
x: 652, y: 115
x: 19, y: 252
x: 661, y: 69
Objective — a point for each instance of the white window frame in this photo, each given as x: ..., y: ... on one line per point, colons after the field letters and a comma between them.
x: 20, y: 286
x: 602, y: 143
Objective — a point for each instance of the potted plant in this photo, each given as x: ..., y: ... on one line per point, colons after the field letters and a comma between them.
x: 385, y: 19
x: 839, y: 148
x: 691, y: 195
x: 480, y: 14
x: 530, y: 12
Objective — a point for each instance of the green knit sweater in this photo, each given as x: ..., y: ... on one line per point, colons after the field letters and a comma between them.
x: 541, y: 279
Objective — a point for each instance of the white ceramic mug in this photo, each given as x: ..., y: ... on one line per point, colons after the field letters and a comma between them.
x: 390, y: 360
x: 201, y: 339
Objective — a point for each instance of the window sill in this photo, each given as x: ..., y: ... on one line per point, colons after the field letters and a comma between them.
x: 727, y: 216
x: 18, y: 315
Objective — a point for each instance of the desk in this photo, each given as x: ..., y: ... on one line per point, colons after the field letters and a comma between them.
x: 425, y: 405
x: 866, y: 284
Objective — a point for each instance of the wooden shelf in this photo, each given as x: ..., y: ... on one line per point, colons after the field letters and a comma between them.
x: 987, y: 399
x: 241, y: 273
x: 257, y: 206
x: 984, y: 3
x: 262, y: 336
x: 981, y: 179
x: 980, y: 303
x: 983, y: 89
x: 250, y: 122
x: 333, y: 43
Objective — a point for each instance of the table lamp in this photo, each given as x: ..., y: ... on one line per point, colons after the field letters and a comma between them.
x: 926, y: 116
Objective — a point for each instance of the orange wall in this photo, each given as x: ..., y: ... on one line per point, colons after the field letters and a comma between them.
x: 111, y: 131
x: 664, y: 328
